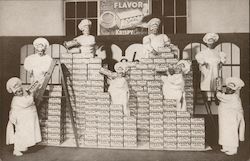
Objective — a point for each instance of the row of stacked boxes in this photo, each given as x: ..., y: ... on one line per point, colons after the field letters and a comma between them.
x: 157, y: 124
x: 51, y: 116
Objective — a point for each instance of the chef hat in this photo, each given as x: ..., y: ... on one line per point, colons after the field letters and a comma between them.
x: 42, y: 41
x: 120, y: 65
x: 85, y: 22
x: 13, y: 84
x: 234, y: 83
x: 154, y: 21
x: 207, y: 38
x: 185, y: 65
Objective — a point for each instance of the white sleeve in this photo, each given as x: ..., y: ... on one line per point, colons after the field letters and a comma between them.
x: 147, y: 43
x: 200, y: 58
x: 28, y: 64
x: 223, y: 57
x: 166, y: 39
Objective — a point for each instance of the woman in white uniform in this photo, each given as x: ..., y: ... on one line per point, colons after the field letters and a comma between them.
x: 118, y: 88
x: 231, y: 116
x: 39, y: 63
x: 210, y: 62
x: 173, y: 84
x: 23, y: 116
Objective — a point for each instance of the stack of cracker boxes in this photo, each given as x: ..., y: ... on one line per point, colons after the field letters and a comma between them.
x: 159, y: 124
x: 154, y: 122
x: 51, y: 116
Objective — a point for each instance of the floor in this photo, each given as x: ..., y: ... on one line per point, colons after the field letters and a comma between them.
x: 48, y: 153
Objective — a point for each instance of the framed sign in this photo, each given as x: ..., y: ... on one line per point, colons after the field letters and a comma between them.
x: 122, y: 17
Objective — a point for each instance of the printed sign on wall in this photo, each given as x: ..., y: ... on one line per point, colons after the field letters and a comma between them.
x: 122, y: 17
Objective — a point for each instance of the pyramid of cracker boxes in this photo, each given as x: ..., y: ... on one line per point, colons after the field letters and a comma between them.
x: 154, y: 122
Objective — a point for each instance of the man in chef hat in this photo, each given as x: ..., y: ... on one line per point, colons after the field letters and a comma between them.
x: 86, y: 42
x: 231, y: 116
x: 38, y: 63
x: 210, y: 62
x: 118, y: 88
x: 155, y: 42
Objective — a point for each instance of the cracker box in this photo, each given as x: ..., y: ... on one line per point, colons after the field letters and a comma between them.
x: 183, y: 139
x: 157, y: 121
x: 183, y: 133
x: 147, y: 61
x: 169, y: 114
x: 195, y: 145
x: 135, y: 77
x: 197, y: 121
x: 170, y: 133
x: 169, y: 126
x: 183, y: 145
x: 198, y: 139
x: 156, y: 109
x: 143, y: 105
x: 184, y: 120
x: 198, y: 127
x: 141, y: 83
x: 136, y: 72
x: 116, y: 143
x: 141, y: 66
x: 170, y: 120
x: 197, y: 133
x: 170, y: 145
x: 183, y: 127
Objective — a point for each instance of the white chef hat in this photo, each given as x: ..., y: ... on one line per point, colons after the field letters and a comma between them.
x: 154, y: 21
x: 85, y: 22
x: 185, y: 65
x: 207, y: 38
x: 234, y: 83
x: 42, y: 41
x: 120, y: 65
x: 13, y: 84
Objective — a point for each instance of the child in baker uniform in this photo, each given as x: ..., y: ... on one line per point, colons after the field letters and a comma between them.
x: 23, y: 115
x: 231, y: 118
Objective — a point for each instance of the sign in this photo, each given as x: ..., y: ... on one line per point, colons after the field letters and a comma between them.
x: 122, y: 17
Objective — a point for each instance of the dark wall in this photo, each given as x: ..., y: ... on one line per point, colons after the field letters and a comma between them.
x: 10, y: 58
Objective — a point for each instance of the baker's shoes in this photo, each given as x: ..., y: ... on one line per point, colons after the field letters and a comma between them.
x: 223, y: 150
x: 17, y: 153
x: 231, y: 152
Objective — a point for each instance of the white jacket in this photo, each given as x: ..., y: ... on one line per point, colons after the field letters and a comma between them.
x: 231, y: 120
x: 209, y: 73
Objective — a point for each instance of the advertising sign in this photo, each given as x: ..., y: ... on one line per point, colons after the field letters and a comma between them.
x: 122, y: 17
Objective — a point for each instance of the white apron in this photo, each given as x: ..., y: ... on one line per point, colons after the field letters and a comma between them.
x: 154, y: 42
x: 173, y: 88
x: 231, y: 120
x: 38, y: 65
x: 23, y: 115
x: 210, y: 73
x: 119, y: 93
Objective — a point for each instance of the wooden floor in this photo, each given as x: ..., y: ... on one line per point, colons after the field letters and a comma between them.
x: 48, y: 153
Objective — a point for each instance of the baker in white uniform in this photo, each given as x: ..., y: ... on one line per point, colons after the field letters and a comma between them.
x: 210, y: 62
x: 118, y: 88
x: 155, y: 42
x: 85, y: 41
x: 173, y: 84
x: 23, y: 116
x: 38, y: 64
x: 231, y: 116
